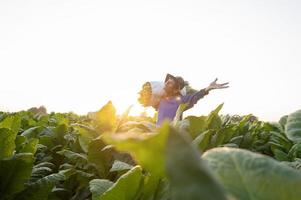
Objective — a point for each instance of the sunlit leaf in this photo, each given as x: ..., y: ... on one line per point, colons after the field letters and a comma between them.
x: 293, y: 126
x: 7, y: 142
x: 189, y: 178
x: 247, y: 175
x: 143, y: 147
x: 121, y: 190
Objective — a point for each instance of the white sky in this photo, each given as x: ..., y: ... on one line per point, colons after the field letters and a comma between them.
x: 77, y: 55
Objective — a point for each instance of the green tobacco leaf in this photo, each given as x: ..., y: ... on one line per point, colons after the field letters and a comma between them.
x: 41, y: 189
x: 144, y: 147
x: 47, y: 141
x: 197, y: 125
x: 179, y: 113
x: 106, y: 117
x: 213, y: 119
x: 31, y: 132
x: 7, y: 142
x: 14, y: 173
x: 163, y: 190
x: 280, y: 155
x: 222, y: 136
x: 84, y: 142
x: 41, y: 170
x: 151, y: 188
x: 120, y: 166
x: 19, y: 142
x: 202, y: 141
x: 295, y: 151
x: 296, y: 164
x: 102, y: 158
x: 98, y: 187
x: 249, y: 176
x: 30, y: 146
x: 143, y: 125
x: 86, y: 135
x: 127, y: 186
x: 293, y: 127
x: 59, y: 132
x: 283, y: 121
x: 73, y: 157
x: 187, y: 174
x: 11, y: 122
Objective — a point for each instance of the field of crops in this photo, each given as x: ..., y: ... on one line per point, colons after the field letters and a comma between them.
x: 108, y: 157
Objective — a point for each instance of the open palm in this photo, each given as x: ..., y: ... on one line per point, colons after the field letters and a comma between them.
x: 215, y: 85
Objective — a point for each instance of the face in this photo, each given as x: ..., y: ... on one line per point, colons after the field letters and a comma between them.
x: 170, y: 86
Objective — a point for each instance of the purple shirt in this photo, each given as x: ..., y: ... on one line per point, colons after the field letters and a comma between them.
x: 168, y: 107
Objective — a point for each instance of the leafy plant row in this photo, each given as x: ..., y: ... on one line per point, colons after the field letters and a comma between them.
x: 108, y: 157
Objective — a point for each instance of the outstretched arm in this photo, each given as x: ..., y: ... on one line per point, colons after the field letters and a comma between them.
x: 194, y: 98
x: 214, y: 85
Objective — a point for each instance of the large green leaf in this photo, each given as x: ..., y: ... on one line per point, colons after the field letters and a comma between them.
x: 213, y: 119
x: 293, y: 126
x: 31, y: 132
x: 127, y: 186
x: 100, y: 157
x: 151, y: 187
x: 162, y: 191
x: 86, y: 135
x: 283, y: 121
x: 197, y: 125
x: 73, y: 157
x: 295, y: 151
x: 98, y: 187
x: 222, y: 136
x: 120, y: 166
x: 30, y: 146
x: 249, y: 176
x: 203, y: 140
x: 41, y: 189
x: 7, y: 142
x: 41, y: 170
x: 11, y: 122
x: 144, y: 147
x: 14, y: 173
x: 179, y: 113
x: 188, y: 176
x: 106, y: 118
x: 145, y: 126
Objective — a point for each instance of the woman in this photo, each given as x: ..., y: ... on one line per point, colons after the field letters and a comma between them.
x: 172, y: 97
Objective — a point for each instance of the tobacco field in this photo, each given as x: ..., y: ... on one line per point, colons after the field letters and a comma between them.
x: 105, y: 156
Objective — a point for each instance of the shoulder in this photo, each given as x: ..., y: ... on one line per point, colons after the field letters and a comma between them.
x: 186, y: 97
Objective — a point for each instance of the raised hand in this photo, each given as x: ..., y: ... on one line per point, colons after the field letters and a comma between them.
x: 215, y: 85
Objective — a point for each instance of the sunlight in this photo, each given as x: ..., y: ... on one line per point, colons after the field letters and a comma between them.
x: 136, y: 109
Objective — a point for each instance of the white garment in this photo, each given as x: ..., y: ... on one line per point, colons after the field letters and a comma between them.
x: 158, y: 91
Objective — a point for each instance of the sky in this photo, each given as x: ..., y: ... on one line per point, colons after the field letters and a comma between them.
x: 77, y: 55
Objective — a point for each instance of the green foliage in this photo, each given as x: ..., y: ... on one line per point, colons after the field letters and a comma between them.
x: 106, y: 119
x: 14, y: 173
x: 251, y: 176
x: 121, y: 190
x: 189, y: 178
x: 7, y: 142
x: 104, y: 156
x: 293, y: 126
x: 143, y: 147
x: 98, y: 187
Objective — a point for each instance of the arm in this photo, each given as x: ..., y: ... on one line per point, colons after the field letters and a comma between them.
x: 194, y: 98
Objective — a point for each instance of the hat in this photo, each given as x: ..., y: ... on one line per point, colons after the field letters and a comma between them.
x: 178, y: 79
